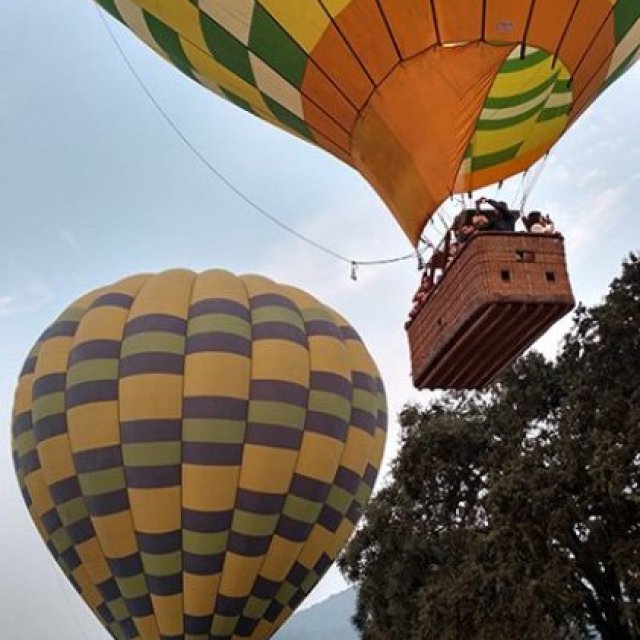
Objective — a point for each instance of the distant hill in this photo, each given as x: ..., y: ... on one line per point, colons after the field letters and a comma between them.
x: 330, y: 618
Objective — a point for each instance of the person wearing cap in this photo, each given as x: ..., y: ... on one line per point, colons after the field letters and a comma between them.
x: 502, y: 218
x: 480, y: 217
x: 463, y: 227
x: 535, y: 222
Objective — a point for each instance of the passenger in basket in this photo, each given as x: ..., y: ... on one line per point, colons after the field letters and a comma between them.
x: 535, y: 222
x: 463, y: 227
x: 501, y: 218
x: 480, y: 217
x: 426, y: 284
x: 454, y: 248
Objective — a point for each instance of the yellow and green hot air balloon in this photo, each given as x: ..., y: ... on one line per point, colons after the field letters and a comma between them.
x: 196, y: 449
x: 424, y: 97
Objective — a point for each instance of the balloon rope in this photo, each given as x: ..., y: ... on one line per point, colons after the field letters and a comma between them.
x: 63, y: 588
x: 446, y: 223
x: 520, y: 191
x: 228, y: 183
x: 538, y: 170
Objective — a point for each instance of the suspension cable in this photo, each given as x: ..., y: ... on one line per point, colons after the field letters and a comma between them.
x: 520, y: 190
x: 539, y: 169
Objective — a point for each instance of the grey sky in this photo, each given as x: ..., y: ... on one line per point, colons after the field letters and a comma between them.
x: 95, y: 186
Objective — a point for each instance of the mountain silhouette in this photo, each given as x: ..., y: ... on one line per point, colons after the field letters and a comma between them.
x: 327, y: 620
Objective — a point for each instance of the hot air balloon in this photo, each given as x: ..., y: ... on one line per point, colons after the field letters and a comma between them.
x: 425, y: 98
x: 196, y: 449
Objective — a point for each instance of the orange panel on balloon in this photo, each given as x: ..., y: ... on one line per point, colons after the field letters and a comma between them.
x: 412, y: 25
x: 594, y: 66
x: 415, y: 130
x: 506, y: 20
x: 319, y: 121
x: 590, y: 15
x: 548, y: 23
x: 364, y: 28
x: 333, y: 56
x: 329, y: 146
x: 459, y: 21
x: 318, y: 88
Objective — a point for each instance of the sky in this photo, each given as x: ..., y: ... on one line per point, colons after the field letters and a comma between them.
x: 95, y: 186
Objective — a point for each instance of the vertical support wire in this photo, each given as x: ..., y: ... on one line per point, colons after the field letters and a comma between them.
x: 563, y: 36
x: 588, y: 49
x: 523, y: 49
x: 387, y: 24
x: 484, y: 21
x: 436, y: 26
x: 347, y: 42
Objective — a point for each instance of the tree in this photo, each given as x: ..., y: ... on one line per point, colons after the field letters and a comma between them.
x: 515, y: 513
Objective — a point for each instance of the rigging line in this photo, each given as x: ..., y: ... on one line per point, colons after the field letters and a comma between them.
x: 484, y: 20
x: 556, y: 53
x: 347, y: 42
x: 322, y: 71
x: 63, y: 588
x: 520, y: 189
x: 525, y: 186
x: 527, y: 183
x: 369, y: 263
x: 435, y: 226
x: 446, y: 223
x: 523, y: 50
x: 226, y: 181
x: 387, y: 24
x: 435, y: 23
x: 587, y: 51
x: 534, y: 180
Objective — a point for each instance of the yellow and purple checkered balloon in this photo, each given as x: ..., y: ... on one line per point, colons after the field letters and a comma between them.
x: 195, y: 450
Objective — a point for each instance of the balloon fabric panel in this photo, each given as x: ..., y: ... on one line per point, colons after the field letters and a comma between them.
x: 386, y: 149
x: 318, y: 68
x: 195, y: 450
x: 515, y: 126
x: 412, y: 25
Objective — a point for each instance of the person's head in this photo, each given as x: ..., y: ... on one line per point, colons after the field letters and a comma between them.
x: 462, y: 220
x: 480, y: 220
x: 534, y: 217
x: 463, y: 233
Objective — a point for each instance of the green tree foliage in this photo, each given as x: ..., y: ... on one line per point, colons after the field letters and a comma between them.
x: 515, y: 514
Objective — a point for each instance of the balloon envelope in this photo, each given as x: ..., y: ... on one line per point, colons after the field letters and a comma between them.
x: 196, y: 449
x: 424, y: 97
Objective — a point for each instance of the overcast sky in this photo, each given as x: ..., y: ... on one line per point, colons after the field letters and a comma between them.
x: 94, y: 186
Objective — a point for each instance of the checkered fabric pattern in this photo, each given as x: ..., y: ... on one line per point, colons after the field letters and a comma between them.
x: 345, y: 74
x: 196, y: 449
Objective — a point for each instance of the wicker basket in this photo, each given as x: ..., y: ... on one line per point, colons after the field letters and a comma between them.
x: 501, y: 292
